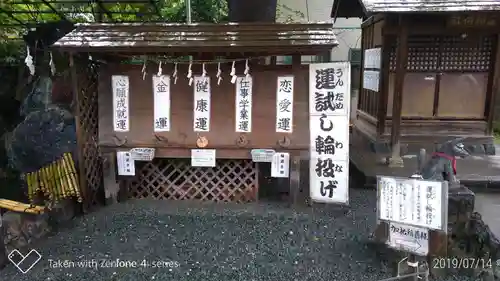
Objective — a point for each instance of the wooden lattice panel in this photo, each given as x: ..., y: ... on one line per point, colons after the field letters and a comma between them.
x: 446, y: 54
x: 423, y: 54
x: 229, y: 181
x: 460, y: 54
x: 88, y: 117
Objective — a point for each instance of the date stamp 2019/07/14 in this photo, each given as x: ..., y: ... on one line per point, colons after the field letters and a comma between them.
x: 461, y: 263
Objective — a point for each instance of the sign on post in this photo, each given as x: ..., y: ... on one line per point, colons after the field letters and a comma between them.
x: 412, y: 207
x: 329, y: 104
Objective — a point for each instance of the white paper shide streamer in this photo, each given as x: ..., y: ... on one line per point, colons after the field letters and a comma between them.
x: 174, y: 75
x: 52, y: 65
x: 120, y: 86
x: 219, y: 74
x: 29, y: 61
x: 233, y: 73
x: 161, y: 91
x: 190, y: 74
x: 144, y: 70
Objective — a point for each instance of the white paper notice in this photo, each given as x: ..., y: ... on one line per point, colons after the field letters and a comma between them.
x: 371, y: 80
x: 329, y: 101
x: 372, y: 58
x: 280, y: 165
x: 201, y: 118
x: 203, y: 158
x: 244, y: 104
x: 161, y: 90
x: 120, y: 87
x: 411, y: 201
x: 126, y: 165
x: 284, y: 104
x: 142, y: 154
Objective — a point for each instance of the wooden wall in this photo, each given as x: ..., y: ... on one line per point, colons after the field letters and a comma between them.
x: 447, y: 76
x: 222, y: 133
x: 368, y: 101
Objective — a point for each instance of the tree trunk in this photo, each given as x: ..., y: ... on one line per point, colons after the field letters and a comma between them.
x: 252, y: 10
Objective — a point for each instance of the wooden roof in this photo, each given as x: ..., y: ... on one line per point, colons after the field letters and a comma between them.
x: 356, y: 8
x: 271, y: 38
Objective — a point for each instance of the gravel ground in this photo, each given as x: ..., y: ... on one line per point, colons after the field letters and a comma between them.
x: 219, y: 242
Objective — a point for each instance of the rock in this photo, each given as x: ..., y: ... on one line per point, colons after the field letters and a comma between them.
x: 39, y: 98
x: 22, y: 229
x: 62, y: 212
x: 460, y: 208
x: 43, y: 137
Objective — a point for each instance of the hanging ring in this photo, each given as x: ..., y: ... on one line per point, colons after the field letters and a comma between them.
x: 160, y: 139
x: 118, y: 141
x: 242, y: 140
x: 202, y: 142
x: 284, y: 142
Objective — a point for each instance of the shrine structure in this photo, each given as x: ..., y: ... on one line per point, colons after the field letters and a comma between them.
x: 431, y: 72
x: 201, y: 96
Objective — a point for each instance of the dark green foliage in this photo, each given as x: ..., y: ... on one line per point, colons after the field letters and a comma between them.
x: 43, y: 137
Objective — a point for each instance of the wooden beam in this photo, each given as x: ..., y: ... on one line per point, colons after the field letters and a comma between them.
x: 495, y: 89
x: 79, y: 135
x: 401, y: 65
x: 384, y: 84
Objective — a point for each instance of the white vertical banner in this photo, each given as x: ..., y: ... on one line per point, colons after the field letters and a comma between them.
x: 201, y: 115
x: 329, y: 102
x: 284, y: 104
x: 120, y: 87
x: 161, y: 90
x: 244, y: 104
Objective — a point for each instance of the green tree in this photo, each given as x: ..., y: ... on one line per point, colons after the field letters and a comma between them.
x: 31, y: 12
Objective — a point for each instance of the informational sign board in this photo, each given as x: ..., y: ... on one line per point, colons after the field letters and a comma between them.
x: 120, y: 86
x: 414, y: 202
x: 142, y: 154
x: 408, y: 238
x: 371, y: 80
x: 329, y: 106
x: 244, y: 104
x: 284, y: 104
x: 161, y: 94
x: 262, y: 155
x: 125, y: 163
x: 280, y: 166
x: 202, y: 104
x: 203, y: 157
x: 372, y: 58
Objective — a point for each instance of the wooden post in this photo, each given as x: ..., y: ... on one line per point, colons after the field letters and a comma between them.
x: 495, y: 89
x: 111, y: 185
x: 294, y: 180
x: 80, y: 142
x: 384, y: 84
x: 401, y: 62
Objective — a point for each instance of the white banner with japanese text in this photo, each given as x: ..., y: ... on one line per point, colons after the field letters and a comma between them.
x: 329, y: 103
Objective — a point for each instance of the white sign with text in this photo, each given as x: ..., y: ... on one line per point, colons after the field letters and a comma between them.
x: 408, y: 238
x: 414, y: 202
x: 329, y: 102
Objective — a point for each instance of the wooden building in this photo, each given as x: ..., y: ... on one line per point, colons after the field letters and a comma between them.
x: 170, y: 175
x: 438, y: 74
